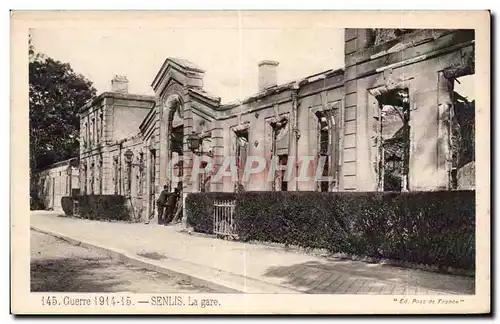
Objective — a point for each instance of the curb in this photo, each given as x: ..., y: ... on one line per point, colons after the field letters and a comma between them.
x: 343, y: 256
x: 294, y: 250
x: 213, y: 278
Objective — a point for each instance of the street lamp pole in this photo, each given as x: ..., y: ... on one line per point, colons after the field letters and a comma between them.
x: 193, y: 142
x: 128, y: 161
x: 69, y: 173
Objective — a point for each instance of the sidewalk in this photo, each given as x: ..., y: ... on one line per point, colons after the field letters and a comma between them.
x: 244, y: 267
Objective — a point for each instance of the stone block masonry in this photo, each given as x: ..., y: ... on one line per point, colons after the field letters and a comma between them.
x: 420, y: 62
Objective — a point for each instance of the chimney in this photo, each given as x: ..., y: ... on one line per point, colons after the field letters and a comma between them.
x: 267, y: 74
x: 119, y: 84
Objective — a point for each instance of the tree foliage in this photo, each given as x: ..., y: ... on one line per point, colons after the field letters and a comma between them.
x: 56, y: 93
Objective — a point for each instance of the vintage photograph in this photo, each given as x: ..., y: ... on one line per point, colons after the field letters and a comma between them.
x: 234, y: 159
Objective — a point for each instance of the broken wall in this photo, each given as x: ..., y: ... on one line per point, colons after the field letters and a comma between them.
x: 372, y: 70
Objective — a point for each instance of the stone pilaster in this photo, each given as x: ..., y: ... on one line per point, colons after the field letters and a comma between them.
x: 69, y: 178
x: 294, y: 133
x: 163, y: 155
x: 107, y: 162
x: 375, y: 141
x: 218, y: 155
x: 366, y: 178
x: 445, y: 110
x: 187, y: 180
x: 349, y: 177
x: 188, y: 156
x: 357, y: 39
x: 427, y: 170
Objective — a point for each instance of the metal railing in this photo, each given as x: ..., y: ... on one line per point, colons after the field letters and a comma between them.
x: 76, y: 207
x: 224, y: 217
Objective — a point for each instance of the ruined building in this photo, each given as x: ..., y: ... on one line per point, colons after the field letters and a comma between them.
x: 390, y: 120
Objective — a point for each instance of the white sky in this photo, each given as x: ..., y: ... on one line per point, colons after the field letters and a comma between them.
x: 228, y: 55
x: 466, y: 86
x: 221, y: 45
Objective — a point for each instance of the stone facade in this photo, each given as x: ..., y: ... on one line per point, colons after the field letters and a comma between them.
x: 109, y: 129
x: 56, y: 181
x: 340, y: 115
x: 425, y: 62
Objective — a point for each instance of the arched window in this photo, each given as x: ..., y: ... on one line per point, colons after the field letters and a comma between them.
x: 140, y: 176
x: 241, y: 153
x: 100, y: 174
x: 172, y: 120
x: 92, y: 167
x: 116, y: 175
x: 84, y: 178
x: 101, y: 126
x: 327, y: 150
x: 205, y: 177
x: 84, y: 135
x: 394, y: 135
x: 280, y: 128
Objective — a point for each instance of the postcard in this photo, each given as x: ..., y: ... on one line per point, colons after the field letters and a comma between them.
x: 250, y: 162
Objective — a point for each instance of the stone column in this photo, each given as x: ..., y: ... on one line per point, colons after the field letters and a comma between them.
x: 445, y: 110
x: 128, y: 179
x: 366, y: 177
x: 303, y: 151
x: 188, y: 156
x: 218, y: 155
x: 163, y: 143
x: 357, y: 39
x: 308, y: 149
x: 107, y: 163
x: 294, y: 136
x: 428, y: 133
x: 83, y: 177
x: 70, y: 178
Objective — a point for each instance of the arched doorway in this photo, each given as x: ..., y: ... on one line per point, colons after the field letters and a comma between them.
x: 174, y: 122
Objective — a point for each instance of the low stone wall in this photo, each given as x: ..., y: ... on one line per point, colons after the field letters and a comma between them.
x: 100, y: 207
x: 467, y: 177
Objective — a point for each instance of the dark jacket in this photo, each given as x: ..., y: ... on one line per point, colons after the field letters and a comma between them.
x: 172, y: 198
x: 163, y: 197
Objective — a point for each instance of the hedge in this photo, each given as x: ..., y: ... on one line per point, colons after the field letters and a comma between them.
x: 37, y: 204
x: 67, y: 204
x: 436, y: 228
x: 99, y: 207
x: 200, y: 209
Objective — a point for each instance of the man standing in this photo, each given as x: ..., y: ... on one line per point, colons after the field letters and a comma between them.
x: 171, y: 203
x: 160, y: 204
x: 178, y: 208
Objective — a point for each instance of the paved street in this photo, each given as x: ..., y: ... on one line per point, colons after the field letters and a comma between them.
x: 58, y: 266
x: 252, y: 268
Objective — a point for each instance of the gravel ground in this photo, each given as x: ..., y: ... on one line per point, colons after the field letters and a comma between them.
x: 58, y: 266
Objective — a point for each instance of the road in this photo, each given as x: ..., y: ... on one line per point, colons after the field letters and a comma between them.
x: 59, y: 266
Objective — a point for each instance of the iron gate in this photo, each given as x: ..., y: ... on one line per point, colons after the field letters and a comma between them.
x: 224, y: 217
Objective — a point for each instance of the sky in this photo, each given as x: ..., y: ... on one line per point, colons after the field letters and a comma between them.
x: 229, y: 55
x: 227, y: 45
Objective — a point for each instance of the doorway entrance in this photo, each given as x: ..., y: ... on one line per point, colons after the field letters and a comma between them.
x: 394, y: 135
x: 53, y: 193
x: 152, y: 185
x: 176, y: 153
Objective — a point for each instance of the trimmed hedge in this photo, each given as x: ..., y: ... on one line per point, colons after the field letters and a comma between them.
x: 436, y: 228
x: 200, y: 209
x: 339, y: 222
x: 37, y: 204
x: 67, y: 204
x: 100, y: 207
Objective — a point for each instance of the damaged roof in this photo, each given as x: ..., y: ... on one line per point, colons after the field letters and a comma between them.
x: 183, y: 63
x: 284, y: 87
x: 116, y: 95
x: 205, y: 94
x: 186, y: 64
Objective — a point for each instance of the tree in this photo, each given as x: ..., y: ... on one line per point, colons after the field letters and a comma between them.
x: 56, y: 93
